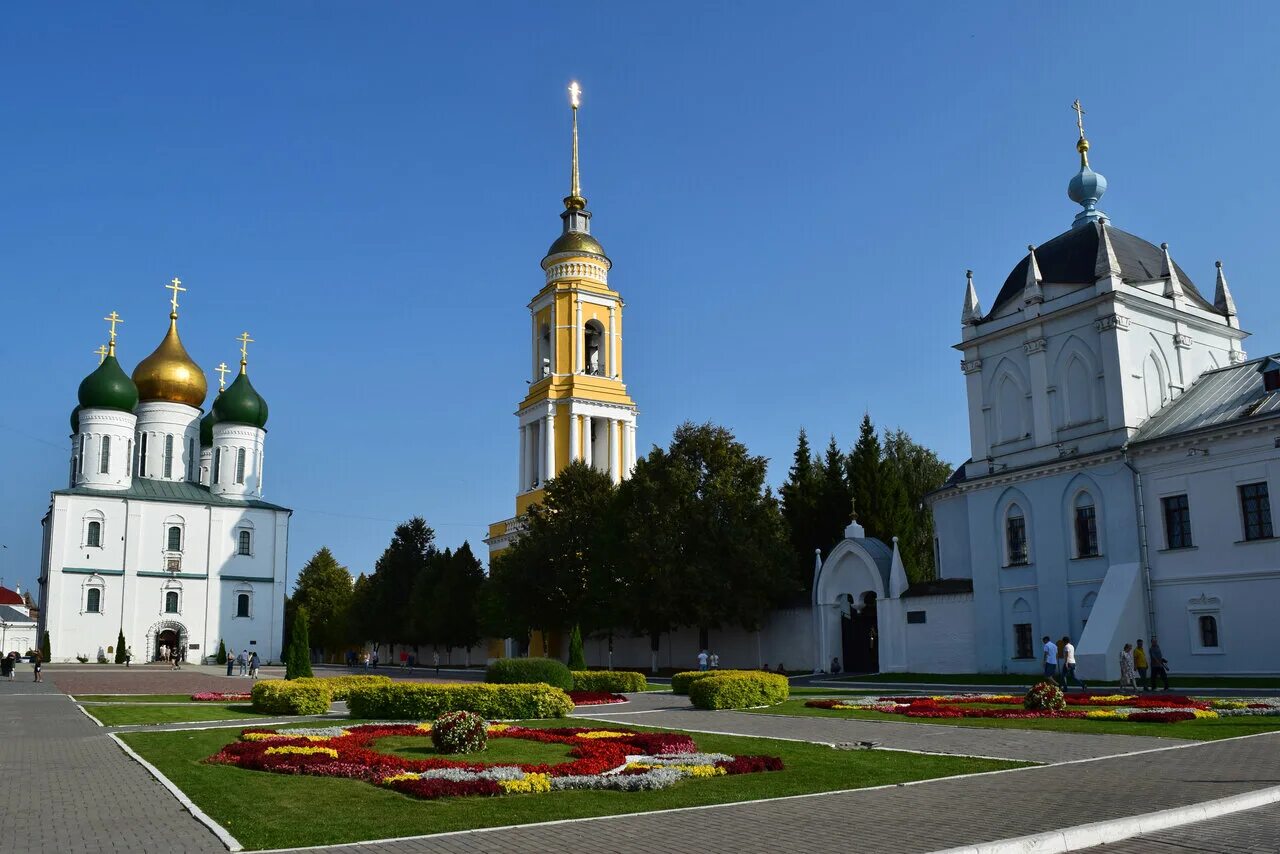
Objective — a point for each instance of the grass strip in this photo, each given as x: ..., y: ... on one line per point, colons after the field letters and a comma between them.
x: 137, y: 713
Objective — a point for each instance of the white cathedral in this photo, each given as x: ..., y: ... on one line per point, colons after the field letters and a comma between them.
x: 1121, y: 452
x: 161, y: 533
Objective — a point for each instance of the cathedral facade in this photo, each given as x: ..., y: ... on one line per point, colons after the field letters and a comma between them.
x: 161, y: 532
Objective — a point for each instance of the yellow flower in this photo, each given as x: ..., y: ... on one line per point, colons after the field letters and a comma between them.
x: 304, y: 751
x: 403, y: 775
x: 425, y: 727
x: 1115, y: 698
x: 603, y: 733
x: 532, y: 784
x: 1204, y: 713
x: 691, y: 770
x: 493, y: 728
x: 1102, y: 714
x: 1230, y: 704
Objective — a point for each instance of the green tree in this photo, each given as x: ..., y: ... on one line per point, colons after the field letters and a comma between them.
x: 45, y: 653
x: 800, y: 498
x: 324, y: 588
x: 222, y: 652
x: 835, y: 503
x: 409, y: 556
x: 455, y: 608
x: 120, y: 648
x: 917, y: 471
x: 577, y: 658
x: 297, y: 662
x: 864, y: 476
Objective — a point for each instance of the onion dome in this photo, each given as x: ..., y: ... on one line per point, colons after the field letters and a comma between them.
x: 108, y: 387
x: 239, y: 404
x: 75, y: 420
x: 170, y: 374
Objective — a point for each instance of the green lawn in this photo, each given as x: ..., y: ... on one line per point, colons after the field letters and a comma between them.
x: 137, y: 713
x: 1205, y: 729
x: 1029, y: 679
x: 299, y: 810
x: 138, y: 698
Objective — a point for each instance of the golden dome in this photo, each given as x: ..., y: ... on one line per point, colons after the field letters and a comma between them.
x: 170, y: 374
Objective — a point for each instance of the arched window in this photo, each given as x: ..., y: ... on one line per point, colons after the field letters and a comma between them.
x: 544, y: 353
x: 1015, y: 529
x: 142, y: 454
x: 593, y: 362
x: 245, y: 545
x: 1153, y: 384
x: 93, y: 537
x: 1208, y: 631
x: 242, y: 604
x: 1086, y: 526
x: 171, y: 602
x: 239, y: 465
x: 93, y: 600
x: 191, y: 459
x: 217, y: 466
x: 1079, y: 388
x: 1011, y: 405
x: 128, y: 457
x: 174, y: 539
x: 104, y: 456
x: 80, y: 458
x: 168, y: 456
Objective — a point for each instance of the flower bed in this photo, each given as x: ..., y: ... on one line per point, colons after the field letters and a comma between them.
x: 222, y: 697
x: 595, y: 698
x: 1167, y: 708
x: 615, y: 759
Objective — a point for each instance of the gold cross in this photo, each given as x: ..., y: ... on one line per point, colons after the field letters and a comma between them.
x: 176, y: 287
x: 113, y: 319
x: 102, y: 353
x: 575, y: 93
x: 222, y: 371
x: 1079, y: 116
x: 245, y: 341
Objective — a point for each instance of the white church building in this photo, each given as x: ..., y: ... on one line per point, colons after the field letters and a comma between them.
x: 1122, y: 448
x: 161, y: 532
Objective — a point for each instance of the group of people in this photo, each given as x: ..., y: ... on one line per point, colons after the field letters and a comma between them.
x: 1135, y: 663
x: 174, y: 655
x: 9, y: 666
x: 247, y: 662
x: 1059, y: 658
x: 708, y: 661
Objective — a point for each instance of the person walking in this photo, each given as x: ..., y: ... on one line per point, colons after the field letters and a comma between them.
x: 435, y: 660
x: 35, y: 665
x: 703, y: 658
x: 715, y: 661
x: 1126, y: 668
x: 373, y: 659
x: 243, y: 661
x: 253, y: 664
x: 128, y: 656
x: 1159, y: 665
x: 231, y: 661
x: 6, y: 667
x: 1140, y: 665
x: 1049, y: 658
x: 1069, y: 665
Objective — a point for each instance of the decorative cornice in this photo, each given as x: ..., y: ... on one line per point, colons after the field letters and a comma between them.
x: 252, y: 578
x: 1035, y: 345
x: 195, y: 576
x: 1237, y: 356
x: 1113, y: 321
x: 578, y: 270
x: 1182, y: 341
x: 970, y: 366
x: 1057, y: 466
x: 80, y: 570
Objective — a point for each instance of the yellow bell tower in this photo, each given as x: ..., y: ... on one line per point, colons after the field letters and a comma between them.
x: 577, y: 407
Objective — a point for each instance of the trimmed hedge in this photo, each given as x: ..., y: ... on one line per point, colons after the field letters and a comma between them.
x: 739, y: 690
x: 681, y: 681
x: 406, y: 701
x: 613, y: 681
x: 278, y: 697
x: 526, y: 671
x: 340, y: 686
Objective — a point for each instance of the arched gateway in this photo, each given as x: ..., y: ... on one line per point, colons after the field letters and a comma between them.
x: 847, y: 587
x: 170, y: 633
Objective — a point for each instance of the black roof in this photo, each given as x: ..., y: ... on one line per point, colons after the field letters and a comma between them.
x: 1071, y: 259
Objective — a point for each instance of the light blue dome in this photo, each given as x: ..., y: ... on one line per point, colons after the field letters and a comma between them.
x: 1086, y: 188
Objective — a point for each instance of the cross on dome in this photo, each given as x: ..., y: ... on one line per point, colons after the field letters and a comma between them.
x: 245, y: 341
x: 113, y: 318
x: 176, y: 287
x: 222, y: 370
x: 102, y: 353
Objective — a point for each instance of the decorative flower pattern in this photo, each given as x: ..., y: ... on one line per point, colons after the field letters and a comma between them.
x: 1166, y: 708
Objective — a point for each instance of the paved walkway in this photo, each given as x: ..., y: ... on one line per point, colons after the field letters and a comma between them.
x: 1253, y: 831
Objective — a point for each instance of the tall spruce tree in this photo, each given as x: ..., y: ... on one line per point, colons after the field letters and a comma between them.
x: 864, y: 476
x: 800, y: 499
x: 919, y: 471
x: 836, y: 498
x: 324, y: 589
x: 297, y: 662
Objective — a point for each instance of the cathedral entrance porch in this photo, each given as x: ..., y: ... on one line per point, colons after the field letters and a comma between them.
x: 859, y: 640
x: 167, y: 634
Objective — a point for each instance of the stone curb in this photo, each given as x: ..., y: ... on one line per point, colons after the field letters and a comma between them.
x: 1084, y: 836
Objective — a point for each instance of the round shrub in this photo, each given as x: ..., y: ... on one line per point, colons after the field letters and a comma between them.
x: 1045, y: 696
x: 739, y: 690
x: 278, y: 697
x: 460, y: 732
x: 681, y: 681
x: 613, y: 681
x: 525, y: 671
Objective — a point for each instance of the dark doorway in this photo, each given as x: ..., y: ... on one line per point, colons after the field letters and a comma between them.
x: 860, y: 641
x: 167, y: 638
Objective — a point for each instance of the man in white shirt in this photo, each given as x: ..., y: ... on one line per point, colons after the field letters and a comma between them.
x: 1069, y: 665
x: 1050, y: 658
x: 702, y: 660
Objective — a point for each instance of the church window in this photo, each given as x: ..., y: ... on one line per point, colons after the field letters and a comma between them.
x: 217, y: 466
x: 1208, y: 631
x: 1255, y: 505
x: 191, y: 460
x: 104, y: 456
x: 242, y: 604
x: 544, y: 353
x: 174, y: 543
x: 128, y: 456
x: 93, y: 600
x: 1153, y: 384
x: 80, y: 458
x: 171, y: 602
x: 1010, y: 405
x: 1086, y: 525
x: 1015, y: 526
x: 1022, y: 645
x: 142, y: 455
x: 593, y: 349
x: 1079, y: 392
x: 93, y: 537
x: 1177, y: 522
x: 240, y: 465
x: 168, y: 456
x: 245, y: 543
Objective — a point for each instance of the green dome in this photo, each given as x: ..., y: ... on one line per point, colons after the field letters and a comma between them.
x: 108, y: 387
x: 206, y: 428
x: 75, y: 420
x: 239, y: 404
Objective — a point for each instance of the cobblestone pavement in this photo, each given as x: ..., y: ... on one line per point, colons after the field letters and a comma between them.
x: 1030, y: 745
x: 1253, y: 831
x: 147, y: 679
x: 77, y: 790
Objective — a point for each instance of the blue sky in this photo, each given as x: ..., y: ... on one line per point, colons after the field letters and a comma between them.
x: 790, y: 193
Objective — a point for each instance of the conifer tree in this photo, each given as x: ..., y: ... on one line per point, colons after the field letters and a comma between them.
x: 222, y: 652
x: 45, y: 654
x: 577, y: 658
x: 864, y: 477
x: 800, y: 496
x: 297, y: 662
x: 120, y: 651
